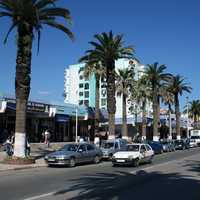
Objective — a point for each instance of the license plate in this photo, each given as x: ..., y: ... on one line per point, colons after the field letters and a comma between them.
x: 51, y: 160
x: 120, y: 160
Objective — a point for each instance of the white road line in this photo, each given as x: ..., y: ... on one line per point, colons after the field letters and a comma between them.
x: 41, y: 196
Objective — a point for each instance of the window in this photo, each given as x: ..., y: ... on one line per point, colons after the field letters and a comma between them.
x: 80, y: 93
x: 148, y: 148
x: 142, y: 149
x: 81, y: 77
x: 86, y: 86
x: 82, y: 147
x: 81, y: 85
x: 90, y: 147
x: 103, y: 93
x: 86, y: 94
x: 81, y: 102
x: 103, y: 102
x: 86, y: 103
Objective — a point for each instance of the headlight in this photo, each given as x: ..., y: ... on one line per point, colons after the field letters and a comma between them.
x: 46, y: 157
x: 113, y: 156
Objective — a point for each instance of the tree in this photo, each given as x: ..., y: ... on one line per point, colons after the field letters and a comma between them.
x: 28, y: 17
x: 124, y: 80
x: 156, y: 75
x: 194, y: 110
x: 140, y: 94
x: 96, y: 69
x: 177, y: 86
x: 106, y: 49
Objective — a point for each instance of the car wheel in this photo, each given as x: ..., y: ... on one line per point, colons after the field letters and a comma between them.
x: 151, y: 159
x: 136, y: 162
x: 72, y: 162
x: 96, y: 159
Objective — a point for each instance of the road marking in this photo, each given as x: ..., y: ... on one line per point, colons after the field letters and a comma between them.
x: 41, y: 196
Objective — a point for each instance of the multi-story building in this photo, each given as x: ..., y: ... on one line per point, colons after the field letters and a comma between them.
x: 80, y: 91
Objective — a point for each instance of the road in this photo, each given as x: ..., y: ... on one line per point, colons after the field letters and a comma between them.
x: 172, y: 175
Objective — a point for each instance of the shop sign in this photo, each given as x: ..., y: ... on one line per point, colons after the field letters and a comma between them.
x: 31, y: 106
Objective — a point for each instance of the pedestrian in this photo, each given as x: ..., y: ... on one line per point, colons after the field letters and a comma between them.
x: 47, y: 137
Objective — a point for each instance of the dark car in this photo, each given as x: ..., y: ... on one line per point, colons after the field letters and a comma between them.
x: 156, y: 146
x: 182, y: 144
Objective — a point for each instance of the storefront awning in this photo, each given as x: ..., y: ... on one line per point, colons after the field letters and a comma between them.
x: 62, y: 118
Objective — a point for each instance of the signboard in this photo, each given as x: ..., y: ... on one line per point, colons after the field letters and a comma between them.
x: 31, y: 106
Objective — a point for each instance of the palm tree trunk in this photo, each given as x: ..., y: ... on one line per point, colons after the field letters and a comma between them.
x: 155, y: 115
x: 97, y: 111
x: 22, y: 86
x: 144, y: 119
x: 124, y: 117
x: 111, y: 101
x: 177, y: 111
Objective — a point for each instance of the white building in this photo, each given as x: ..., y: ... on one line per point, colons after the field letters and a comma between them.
x: 82, y: 92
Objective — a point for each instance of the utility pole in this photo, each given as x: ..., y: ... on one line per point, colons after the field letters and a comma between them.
x: 187, y: 117
x: 76, y: 124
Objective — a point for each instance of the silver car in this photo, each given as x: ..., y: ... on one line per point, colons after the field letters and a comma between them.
x: 74, y: 153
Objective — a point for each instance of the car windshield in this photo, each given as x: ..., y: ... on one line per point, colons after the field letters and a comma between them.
x: 108, y: 145
x: 195, y: 137
x: 178, y: 141
x: 133, y: 148
x: 69, y: 147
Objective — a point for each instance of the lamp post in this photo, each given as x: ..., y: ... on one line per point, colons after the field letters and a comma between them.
x: 187, y: 117
x: 76, y: 139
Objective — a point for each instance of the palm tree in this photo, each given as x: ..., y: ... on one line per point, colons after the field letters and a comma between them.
x: 168, y: 99
x: 124, y: 80
x: 177, y: 86
x: 156, y: 75
x: 98, y: 71
x: 28, y: 17
x: 106, y: 49
x: 194, y: 110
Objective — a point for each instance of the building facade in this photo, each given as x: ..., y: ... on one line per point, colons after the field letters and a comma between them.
x: 80, y: 91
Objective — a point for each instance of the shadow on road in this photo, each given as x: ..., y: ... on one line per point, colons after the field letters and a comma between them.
x: 142, y: 185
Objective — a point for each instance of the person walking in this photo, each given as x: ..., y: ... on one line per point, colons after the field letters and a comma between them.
x: 47, y: 137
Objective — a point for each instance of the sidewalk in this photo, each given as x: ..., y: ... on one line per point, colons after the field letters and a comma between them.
x: 38, y: 151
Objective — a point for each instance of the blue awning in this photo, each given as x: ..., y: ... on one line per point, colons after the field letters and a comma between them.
x: 62, y: 118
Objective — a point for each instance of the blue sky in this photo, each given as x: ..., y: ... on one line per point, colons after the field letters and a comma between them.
x: 160, y: 30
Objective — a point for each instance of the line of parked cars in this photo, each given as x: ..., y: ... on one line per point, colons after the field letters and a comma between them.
x: 116, y: 150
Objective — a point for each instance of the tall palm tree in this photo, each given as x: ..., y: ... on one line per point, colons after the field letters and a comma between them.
x: 106, y: 49
x: 156, y: 75
x: 194, y: 110
x: 177, y: 86
x: 168, y: 99
x: 28, y: 17
x: 96, y: 69
x: 124, y: 80
x: 141, y: 94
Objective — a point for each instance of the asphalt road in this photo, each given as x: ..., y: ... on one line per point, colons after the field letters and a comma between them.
x: 103, y: 181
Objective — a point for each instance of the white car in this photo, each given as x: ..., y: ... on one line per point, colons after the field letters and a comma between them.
x: 134, y: 154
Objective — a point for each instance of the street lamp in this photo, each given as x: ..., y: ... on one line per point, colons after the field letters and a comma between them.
x: 187, y: 117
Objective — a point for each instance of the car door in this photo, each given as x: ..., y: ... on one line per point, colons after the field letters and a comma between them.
x: 91, y: 152
x: 143, y: 153
x: 82, y: 153
x: 149, y: 152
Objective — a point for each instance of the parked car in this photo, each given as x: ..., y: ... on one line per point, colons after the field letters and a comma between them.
x: 168, y: 146
x: 156, y: 146
x: 182, y: 144
x: 109, y: 147
x: 195, y: 137
x: 74, y: 153
x: 134, y: 155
